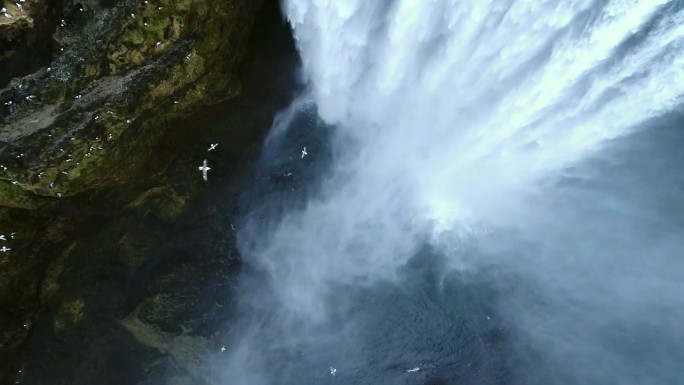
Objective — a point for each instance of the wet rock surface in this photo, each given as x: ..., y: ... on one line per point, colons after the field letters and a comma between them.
x: 117, y: 72
x: 123, y: 259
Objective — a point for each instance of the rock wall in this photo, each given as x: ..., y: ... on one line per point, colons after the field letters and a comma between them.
x: 111, y: 77
x: 123, y: 260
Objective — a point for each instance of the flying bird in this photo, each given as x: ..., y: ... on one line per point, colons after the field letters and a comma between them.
x: 204, y: 168
x: 212, y: 147
x: 333, y: 371
x: 304, y: 153
x: 5, y: 249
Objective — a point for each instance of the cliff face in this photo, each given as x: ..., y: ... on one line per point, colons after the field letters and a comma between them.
x: 105, y: 78
x: 122, y: 258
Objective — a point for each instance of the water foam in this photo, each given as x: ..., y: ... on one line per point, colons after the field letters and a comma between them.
x: 450, y: 115
x: 458, y: 103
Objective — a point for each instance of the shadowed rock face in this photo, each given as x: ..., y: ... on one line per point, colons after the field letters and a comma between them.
x: 123, y: 260
x: 106, y: 83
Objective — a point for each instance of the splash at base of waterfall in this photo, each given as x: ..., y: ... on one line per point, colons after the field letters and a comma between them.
x: 488, y: 194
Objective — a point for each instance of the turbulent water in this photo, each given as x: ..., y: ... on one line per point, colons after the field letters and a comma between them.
x: 492, y: 194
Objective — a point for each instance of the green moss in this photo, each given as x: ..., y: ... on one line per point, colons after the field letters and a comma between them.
x: 185, y: 5
x: 134, y: 36
x: 125, y: 58
x: 158, y: 23
x: 163, y: 201
x: 92, y: 70
x: 15, y: 196
x: 205, y: 76
x: 181, y: 75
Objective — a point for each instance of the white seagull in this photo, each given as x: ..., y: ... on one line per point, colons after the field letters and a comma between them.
x: 333, y: 371
x: 212, y: 147
x: 5, y: 249
x: 413, y: 370
x: 304, y: 153
x: 223, y: 349
x: 2, y: 237
x: 204, y: 168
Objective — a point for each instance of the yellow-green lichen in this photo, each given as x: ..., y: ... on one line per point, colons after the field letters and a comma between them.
x: 180, y: 76
x: 15, y: 196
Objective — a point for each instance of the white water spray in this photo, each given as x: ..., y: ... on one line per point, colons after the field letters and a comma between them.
x: 507, y: 91
x: 451, y: 116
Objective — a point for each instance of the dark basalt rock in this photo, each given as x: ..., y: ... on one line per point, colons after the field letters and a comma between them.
x: 115, y: 74
x: 123, y: 263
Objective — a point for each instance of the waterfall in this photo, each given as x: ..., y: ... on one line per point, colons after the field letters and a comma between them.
x: 505, y: 144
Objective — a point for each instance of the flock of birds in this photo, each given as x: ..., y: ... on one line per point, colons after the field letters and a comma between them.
x: 8, y: 15
x: 91, y: 150
x: 333, y: 371
x: 4, y: 248
x: 204, y: 168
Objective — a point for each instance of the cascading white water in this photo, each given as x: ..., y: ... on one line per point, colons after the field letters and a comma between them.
x: 512, y: 89
x: 454, y: 118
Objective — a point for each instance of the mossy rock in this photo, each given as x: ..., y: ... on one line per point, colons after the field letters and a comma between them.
x: 163, y: 201
x: 15, y: 196
x: 188, y: 350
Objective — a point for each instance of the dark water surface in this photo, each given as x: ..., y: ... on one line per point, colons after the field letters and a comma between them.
x: 460, y: 327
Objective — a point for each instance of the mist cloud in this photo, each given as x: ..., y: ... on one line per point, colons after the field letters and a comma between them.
x: 524, y: 145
